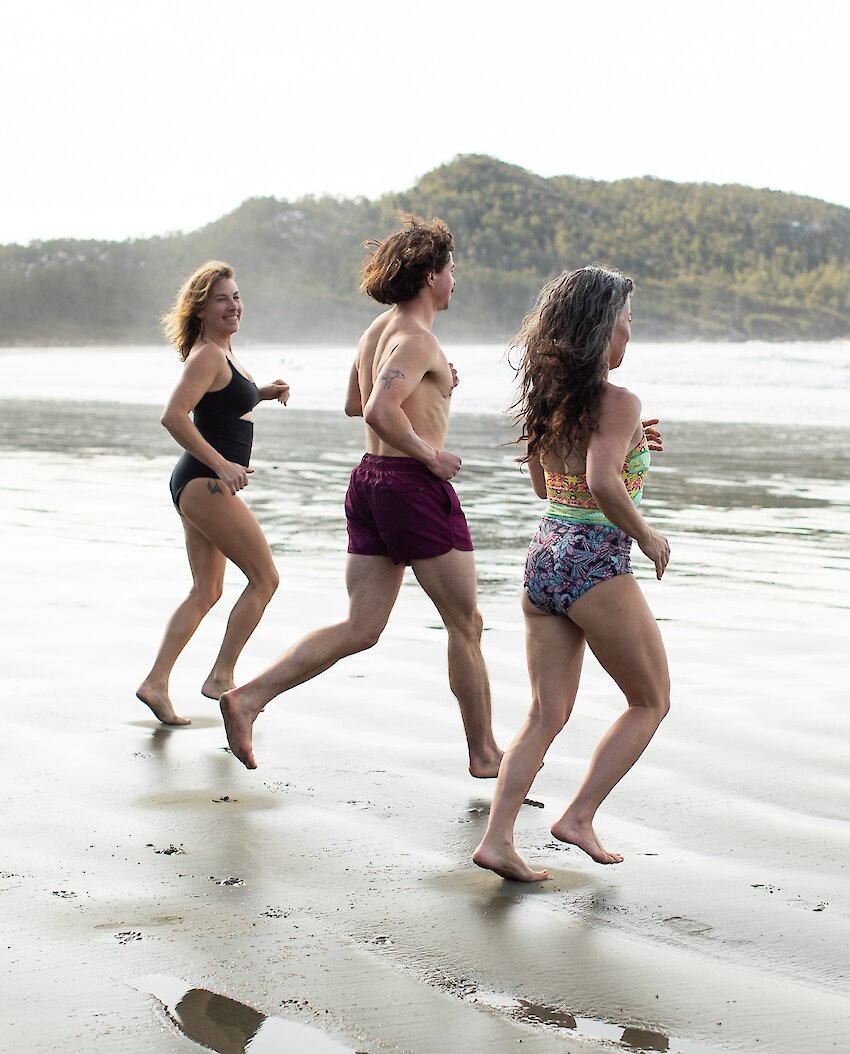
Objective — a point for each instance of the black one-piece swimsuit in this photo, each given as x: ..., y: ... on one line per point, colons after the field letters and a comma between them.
x: 218, y: 417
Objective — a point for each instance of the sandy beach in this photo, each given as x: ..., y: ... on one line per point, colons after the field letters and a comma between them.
x: 158, y: 897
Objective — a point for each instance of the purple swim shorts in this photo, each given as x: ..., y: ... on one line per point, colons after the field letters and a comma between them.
x: 395, y: 507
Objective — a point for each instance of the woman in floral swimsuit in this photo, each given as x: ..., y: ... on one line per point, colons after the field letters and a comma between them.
x: 588, y: 455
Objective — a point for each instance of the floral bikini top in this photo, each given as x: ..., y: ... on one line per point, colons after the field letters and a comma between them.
x: 570, y: 497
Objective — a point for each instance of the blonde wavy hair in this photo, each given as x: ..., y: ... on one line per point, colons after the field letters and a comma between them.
x: 181, y: 325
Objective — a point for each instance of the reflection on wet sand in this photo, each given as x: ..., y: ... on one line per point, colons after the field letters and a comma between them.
x: 640, y: 1039
x: 229, y: 1027
x: 549, y: 1017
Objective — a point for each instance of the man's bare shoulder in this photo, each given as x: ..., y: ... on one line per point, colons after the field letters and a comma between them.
x: 371, y: 337
x: 376, y: 329
x: 410, y: 346
x: 411, y: 342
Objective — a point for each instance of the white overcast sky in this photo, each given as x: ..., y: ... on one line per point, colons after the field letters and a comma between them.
x: 127, y: 119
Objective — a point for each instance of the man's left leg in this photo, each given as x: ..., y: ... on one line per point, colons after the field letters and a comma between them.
x: 450, y: 582
x: 373, y: 583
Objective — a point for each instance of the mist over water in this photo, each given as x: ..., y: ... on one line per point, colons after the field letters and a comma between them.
x: 780, y: 384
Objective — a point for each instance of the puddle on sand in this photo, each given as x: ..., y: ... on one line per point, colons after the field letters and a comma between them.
x: 634, y: 1039
x: 230, y: 1027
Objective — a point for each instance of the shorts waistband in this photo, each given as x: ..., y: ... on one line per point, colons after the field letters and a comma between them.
x: 394, y: 464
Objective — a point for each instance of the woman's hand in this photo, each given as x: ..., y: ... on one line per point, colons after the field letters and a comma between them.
x: 652, y: 434
x: 233, y: 476
x: 276, y: 390
x: 657, y: 548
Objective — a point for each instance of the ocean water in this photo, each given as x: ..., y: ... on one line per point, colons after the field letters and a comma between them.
x: 757, y: 383
x: 754, y: 467
x: 756, y: 439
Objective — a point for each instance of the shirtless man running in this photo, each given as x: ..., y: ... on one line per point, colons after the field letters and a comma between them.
x: 400, y: 508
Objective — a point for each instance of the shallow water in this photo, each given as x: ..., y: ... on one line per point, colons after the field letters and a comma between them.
x: 760, y: 538
x: 739, y: 504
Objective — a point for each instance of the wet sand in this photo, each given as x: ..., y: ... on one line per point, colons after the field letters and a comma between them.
x: 159, y: 897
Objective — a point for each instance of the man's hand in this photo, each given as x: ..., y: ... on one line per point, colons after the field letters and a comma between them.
x: 445, y: 465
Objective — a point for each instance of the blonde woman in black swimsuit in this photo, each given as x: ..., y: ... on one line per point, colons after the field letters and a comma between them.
x: 209, y: 414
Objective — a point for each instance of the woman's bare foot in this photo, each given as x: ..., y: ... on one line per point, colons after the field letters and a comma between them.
x: 239, y: 717
x: 485, y: 766
x: 215, y: 687
x: 160, y: 705
x: 507, y: 863
x: 584, y: 837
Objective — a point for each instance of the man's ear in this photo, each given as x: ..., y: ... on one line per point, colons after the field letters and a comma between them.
x: 431, y: 278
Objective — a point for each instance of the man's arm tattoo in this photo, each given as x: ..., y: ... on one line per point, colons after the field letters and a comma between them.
x: 390, y: 376
x: 213, y: 487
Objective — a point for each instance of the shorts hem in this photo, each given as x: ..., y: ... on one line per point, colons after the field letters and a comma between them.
x: 409, y: 559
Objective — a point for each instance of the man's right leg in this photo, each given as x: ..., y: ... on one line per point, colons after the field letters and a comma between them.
x: 450, y: 582
x: 373, y: 583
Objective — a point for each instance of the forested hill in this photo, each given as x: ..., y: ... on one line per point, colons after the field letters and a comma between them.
x: 710, y: 262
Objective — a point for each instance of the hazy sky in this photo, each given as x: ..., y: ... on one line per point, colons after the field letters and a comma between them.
x: 126, y: 119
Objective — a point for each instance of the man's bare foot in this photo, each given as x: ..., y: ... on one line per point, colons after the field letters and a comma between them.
x: 215, y: 687
x: 160, y: 705
x: 485, y: 766
x: 239, y: 720
x: 488, y: 769
x: 507, y: 863
x: 584, y: 837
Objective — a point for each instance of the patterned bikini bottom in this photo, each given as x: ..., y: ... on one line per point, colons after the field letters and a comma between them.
x: 566, y: 559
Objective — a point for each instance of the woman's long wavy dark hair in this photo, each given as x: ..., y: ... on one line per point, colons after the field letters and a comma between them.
x: 563, y: 343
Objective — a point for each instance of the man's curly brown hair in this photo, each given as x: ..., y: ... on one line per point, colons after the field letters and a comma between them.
x: 398, y: 266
